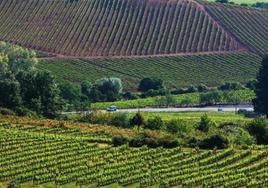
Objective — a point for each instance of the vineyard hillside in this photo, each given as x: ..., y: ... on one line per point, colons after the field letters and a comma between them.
x: 113, y: 27
x: 176, y: 71
x: 249, y: 26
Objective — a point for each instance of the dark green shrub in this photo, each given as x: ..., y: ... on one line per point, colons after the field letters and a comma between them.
x: 191, y: 89
x: 13, y: 184
x: 204, y: 123
x: 154, y: 123
x: 166, y: 143
x: 210, y: 98
x: 259, y: 129
x: 121, y: 120
x: 119, y: 140
x: 151, y: 143
x: 150, y: 83
x: 130, y: 96
x: 215, y: 141
x: 137, y: 142
x: 175, y: 125
x: 22, y: 111
x: 6, y: 111
x: 202, y: 88
x: 137, y: 120
x: 231, y: 86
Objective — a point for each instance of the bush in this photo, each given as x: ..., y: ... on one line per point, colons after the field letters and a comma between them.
x: 174, y: 126
x: 150, y: 83
x: 202, y: 88
x: 97, y: 118
x: 22, y: 111
x: 119, y: 140
x: 166, y: 143
x: 130, y: 96
x: 259, y: 129
x: 204, y: 123
x: 178, y: 91
x: 231, y: 86
x: 210, y: 98
x: 191, y: 89
x: 137, y: 142
x: 152, y: 143
x: 121, y: 120
x: 137, y: 120
x: 13, y: 184
x: 6, y: 111
x: 215, y: 141
x: 251, y: 84
x: 154, y: 123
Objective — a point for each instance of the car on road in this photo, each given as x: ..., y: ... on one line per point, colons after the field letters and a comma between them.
x: 111, y: 109
x: 220, y: 110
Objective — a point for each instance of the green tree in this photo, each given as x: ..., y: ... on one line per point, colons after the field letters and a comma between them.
x: 48, y: 92
x: 204, y: 123
x: 150, y: 83
x: 137, y: 120
x: 107, y: 89
x: 210, y: 98
x: 261, y: 101
x: 85, y: 88
x: 10, y: 94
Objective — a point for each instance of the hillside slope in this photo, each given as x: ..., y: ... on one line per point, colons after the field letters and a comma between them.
x: 176, y: 71
x: 112, y: 27
x: 249, y: 26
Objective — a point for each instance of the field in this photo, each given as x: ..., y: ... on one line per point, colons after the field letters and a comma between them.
x: 191, y: 99
x: 236, y: 20
x: 194, y: 117
x: 51, y: 154
x: 177, y: 71
x: 183, y: 42
x: 108, y: 28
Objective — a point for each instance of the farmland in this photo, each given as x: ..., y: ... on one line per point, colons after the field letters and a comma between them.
x: 177, y: 71
x: 236, y: 20
x: 156, y: 27
x: 46, y: 155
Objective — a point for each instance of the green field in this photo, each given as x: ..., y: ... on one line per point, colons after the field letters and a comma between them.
x: 245, y: 96
x: 179, y: 71
x: 55, y: 156
x: 194, y: 117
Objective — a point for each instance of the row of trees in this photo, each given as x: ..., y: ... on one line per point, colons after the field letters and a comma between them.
x: 29, y: 91
x: 22, y: 87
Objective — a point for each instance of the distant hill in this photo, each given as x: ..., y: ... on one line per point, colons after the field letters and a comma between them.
x: 101, y: 29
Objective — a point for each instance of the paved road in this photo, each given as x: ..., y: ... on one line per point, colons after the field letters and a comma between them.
x: 225, y: 108
x: 229, y: 108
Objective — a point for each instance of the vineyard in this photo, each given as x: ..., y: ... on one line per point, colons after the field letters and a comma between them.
x: 112, y: 27
x: 177, y: 71
x: 248, y: 25
x: 62, y: 156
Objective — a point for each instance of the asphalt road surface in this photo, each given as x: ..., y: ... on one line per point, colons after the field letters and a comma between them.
x: 222, y: 108
x: 229, y: 108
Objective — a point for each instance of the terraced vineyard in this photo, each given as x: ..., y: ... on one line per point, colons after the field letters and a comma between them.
x: 248, y: 25
x: 177, y: 71
x: 112, y: 27
x: 63, y: 156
